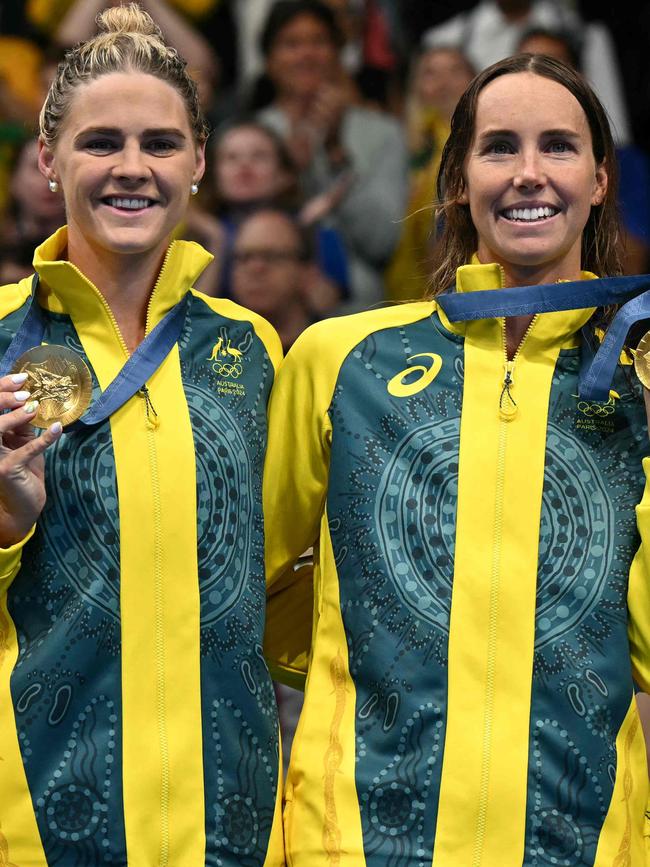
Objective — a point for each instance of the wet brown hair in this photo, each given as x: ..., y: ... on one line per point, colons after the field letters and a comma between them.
x: 459, y: 240
x: 128, y: 41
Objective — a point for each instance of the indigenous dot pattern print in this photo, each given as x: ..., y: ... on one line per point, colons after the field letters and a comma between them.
x: 392, y: 516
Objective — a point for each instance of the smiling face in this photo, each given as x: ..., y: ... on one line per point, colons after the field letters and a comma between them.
x: 302, y: 57
x: 126, y: 160
x: 248, y: 167
x: 531, y: 178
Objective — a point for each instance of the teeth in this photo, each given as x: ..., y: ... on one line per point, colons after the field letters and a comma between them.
x: 128, y: 204
x: 529, y: 214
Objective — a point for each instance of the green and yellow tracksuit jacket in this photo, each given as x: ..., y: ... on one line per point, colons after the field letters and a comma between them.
x: 481, y: 603
x: 137, y: 718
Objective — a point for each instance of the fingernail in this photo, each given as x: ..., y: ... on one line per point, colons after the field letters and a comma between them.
x: 19, y: 377
x: 57, y: 427
x: 31, y: 406
x: 21, y: 395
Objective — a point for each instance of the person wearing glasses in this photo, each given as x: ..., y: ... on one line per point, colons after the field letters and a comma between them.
x: 272, y: 268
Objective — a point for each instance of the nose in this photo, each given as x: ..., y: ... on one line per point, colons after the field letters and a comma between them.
x: 529, y: 171
x: 131, y: 164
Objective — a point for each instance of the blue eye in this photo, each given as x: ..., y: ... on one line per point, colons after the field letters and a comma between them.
x: 500, y: 147
x: 560, y: 147
x: 161, y: 146
x: 100, y: 145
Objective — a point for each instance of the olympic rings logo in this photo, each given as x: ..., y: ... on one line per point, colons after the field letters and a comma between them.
x: 224, y: 368
x: 596, y: 409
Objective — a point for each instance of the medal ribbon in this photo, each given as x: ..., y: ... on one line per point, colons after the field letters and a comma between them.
x: 633, y: 293
x: 140, y: 366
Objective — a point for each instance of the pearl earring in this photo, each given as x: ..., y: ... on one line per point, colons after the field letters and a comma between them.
x: 53, y: 185
x: 194, y: 189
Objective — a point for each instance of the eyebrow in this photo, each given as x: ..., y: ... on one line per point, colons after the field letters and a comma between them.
x: 110, y: 130
x: 492, y: 133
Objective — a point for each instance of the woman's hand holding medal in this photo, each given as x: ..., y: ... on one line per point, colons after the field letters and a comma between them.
x: 22, y: 486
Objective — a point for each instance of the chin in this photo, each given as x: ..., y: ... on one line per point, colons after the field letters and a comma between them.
x: 130, y: 242
x: 534, y: 256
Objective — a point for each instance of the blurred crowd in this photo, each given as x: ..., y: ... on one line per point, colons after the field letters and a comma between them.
x: 329, y: 118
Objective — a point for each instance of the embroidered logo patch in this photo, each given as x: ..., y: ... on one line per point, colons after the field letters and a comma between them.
x: 226, y: 360
x: 593, y: 415
x: 228, y: 363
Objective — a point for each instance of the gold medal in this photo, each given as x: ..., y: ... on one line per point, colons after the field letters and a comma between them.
x: 59, y: 379
x: 642, y: 359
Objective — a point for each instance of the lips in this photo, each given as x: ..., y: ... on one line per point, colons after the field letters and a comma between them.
x: 529, y: 214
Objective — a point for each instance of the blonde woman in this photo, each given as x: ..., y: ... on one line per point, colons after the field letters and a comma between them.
x: 137, y: 717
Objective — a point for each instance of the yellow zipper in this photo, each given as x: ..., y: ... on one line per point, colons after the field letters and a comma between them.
x: 159, y: 608
x: 507, y: 412
x: 108, y: 310
x: 507, y: 403
x: 159, y: 649
x: 159, y: 601
x: 147, y: 321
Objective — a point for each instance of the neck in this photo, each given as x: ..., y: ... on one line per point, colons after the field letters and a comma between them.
x: 295, y: 107
x: 516, y: 326
x: 538, y: 274
x: 125, y: 282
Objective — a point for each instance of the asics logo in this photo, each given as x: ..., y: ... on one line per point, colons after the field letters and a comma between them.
x: 403, y: 384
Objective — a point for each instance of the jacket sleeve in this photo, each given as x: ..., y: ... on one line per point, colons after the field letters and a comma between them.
x: 639, y: 593
x: 12, y: 298
x: 10, y: 562
x: 295, y: 486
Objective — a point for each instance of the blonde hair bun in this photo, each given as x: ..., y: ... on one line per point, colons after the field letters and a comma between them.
x: 128, y: 19
x: 128, y: 40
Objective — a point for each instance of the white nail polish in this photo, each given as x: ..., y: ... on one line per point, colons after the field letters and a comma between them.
x: 21, y: 395
x: 19, y: 378
x: 57, y: 427
x: 31, y: 406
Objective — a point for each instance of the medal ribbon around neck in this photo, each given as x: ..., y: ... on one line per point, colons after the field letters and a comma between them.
x: 140, y: 366
x: 597, y: 369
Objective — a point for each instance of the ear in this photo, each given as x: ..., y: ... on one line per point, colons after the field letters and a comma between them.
x: 600, y: 185
x: 463, y: 198
x: 46, y: 161
x: 199, y: 170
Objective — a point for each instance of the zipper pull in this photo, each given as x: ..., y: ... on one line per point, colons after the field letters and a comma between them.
x: 152, y: 415
x: 507, y: 403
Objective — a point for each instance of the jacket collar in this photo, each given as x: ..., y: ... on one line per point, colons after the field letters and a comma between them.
x: 65, y: 289
x: 561, y: 325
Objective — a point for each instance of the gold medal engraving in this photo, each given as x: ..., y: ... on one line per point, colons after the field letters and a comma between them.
x: 642, y: 359
x: 59, y: 379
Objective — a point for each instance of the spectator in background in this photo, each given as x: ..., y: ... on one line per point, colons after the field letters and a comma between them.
x: 328, y: 135
x: 272, y: 258
x: 439, y: 77
x: 32, y: 215
x: 492, y: 30
x: 633, y: 165
x: 252, y: 169
x: 564, y: 45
